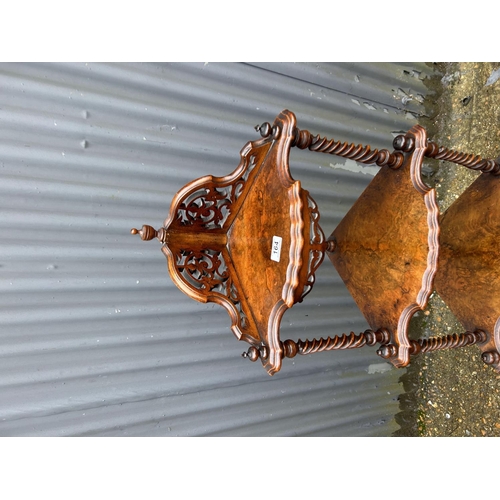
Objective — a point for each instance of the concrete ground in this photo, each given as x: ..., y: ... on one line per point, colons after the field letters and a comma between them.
x: 452, y: 392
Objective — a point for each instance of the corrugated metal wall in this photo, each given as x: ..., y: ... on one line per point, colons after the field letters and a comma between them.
x: 94, y: 337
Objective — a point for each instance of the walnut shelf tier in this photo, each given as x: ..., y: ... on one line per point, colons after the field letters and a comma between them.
x: 251, y: 242
x: 469, y: 262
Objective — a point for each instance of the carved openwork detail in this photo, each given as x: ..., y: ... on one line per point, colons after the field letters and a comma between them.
x: 218, y: 230
x: 209, y: 206
x: 250, y: 163
x: 207, y: 271
x: 315, y: 259
x: 316, y: 253
x: 317, y: 236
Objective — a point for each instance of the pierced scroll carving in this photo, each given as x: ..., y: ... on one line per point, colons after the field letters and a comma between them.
x: 206, y: 270
x: 316, y: 234
x: 317, y: 252
x: 209, y: 207
x: 250, y: 163
x: 315, y: 259
x: 218, y: 233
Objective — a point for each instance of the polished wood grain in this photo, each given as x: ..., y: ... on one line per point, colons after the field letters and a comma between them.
x: 249, y: 241
x: 468, y: 279
x: 387, y: 249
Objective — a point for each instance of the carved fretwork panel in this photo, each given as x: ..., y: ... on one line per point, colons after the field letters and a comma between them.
x: 314, y: 248
x: 207, y: 208
x: 251, y: 242
x: 211, y: 203
x: 316, y: 235
x: 207, y: 276
x: 205, y: 270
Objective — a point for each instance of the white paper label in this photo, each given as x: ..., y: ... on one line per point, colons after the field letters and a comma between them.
x: 276, y: 248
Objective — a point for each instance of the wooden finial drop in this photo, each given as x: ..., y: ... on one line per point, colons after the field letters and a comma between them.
x: 147, y: 233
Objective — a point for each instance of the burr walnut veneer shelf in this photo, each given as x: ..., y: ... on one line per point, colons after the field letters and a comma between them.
x: 469, y: 263
x: 251, y: 242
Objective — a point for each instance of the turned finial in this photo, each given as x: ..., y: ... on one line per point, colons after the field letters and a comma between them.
x: 147, y: 233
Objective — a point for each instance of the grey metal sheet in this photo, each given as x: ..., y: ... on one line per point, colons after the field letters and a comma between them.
x: 94, y: 337
x: 383, y: 85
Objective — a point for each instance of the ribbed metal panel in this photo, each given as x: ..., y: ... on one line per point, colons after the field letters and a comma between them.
x: 94, y: 337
